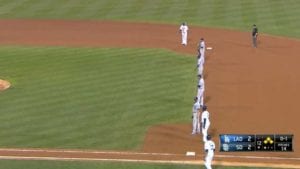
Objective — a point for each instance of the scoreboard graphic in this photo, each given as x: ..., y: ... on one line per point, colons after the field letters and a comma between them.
x: 266, y: 142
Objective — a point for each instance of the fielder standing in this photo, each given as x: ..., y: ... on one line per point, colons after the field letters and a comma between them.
x: 200, y: 64
x: 201, y: 47
x: 209, y: 148
x: 254, y: 36
x: 196, y: 115
x: 205, y: 122
x: 201, y: 88
x: 184, y: 33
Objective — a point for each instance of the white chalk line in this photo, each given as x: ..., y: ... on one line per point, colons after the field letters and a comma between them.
x: 87, y: 151
x: 195, y: 162
x: 141, y: 153
x: 258, y: 157
x: 98, y: 159
x: 191, y: 162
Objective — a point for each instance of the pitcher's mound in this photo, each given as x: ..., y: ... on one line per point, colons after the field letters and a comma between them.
x: 4, y: 85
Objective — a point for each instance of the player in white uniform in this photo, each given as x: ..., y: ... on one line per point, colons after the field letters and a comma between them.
x: 205, y: 122
x: 200, y: 64
x: 209, y: 148
x: 196, y: 116
x: 201, y: 48
x: 184, y: 33
x: 200, y: 92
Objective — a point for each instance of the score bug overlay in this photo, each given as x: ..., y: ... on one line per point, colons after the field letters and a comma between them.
x: 251, y: 142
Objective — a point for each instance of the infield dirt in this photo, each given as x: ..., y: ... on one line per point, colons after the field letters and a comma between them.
x: 4, y: 85
x: 248, y: 90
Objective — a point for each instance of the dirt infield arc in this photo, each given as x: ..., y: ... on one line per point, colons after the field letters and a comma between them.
x: 248, y: 90
x: 4, y: 85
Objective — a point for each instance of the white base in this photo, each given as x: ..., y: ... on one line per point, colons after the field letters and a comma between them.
x: 190, y: 153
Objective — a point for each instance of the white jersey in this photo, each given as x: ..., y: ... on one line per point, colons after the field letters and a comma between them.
x: 200, y: 61
x: 201, y: 84
x: 184, y: 29
x: 202, y: 45
x: 210, y: 146
x: 202, y: 48
x: 205, y: 115
x: 196, y: 107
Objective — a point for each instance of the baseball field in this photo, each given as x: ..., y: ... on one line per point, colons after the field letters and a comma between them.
x: 107, y: 84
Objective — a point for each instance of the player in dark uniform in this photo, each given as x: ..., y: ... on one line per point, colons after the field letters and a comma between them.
x: 254, y: 36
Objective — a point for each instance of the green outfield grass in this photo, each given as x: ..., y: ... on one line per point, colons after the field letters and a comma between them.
x: 13, y: 164
x: 91, y: 98
x: 280, y: 17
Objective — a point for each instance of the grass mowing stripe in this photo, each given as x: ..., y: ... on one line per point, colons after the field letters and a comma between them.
x: 281, y: 17
x: 9, y: 7
x: 123, y: 9
x: 76, y: 8
x: 248, y: 12
x: 21, y: 7
x: 63, y: 97
x: 219, y: 8
x: 148, y: 10
x: 16, y: 164
x: 175, y: 9
x: 191, y: 9
x: 59, y: 10
x: 34, y: 9
x: 107, y: 8
x: 91, y: 11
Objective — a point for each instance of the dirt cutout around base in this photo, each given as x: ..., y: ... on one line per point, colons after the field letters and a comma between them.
x: 4, y: 85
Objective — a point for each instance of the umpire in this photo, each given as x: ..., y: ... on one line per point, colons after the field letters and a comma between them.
x: 254, y: 36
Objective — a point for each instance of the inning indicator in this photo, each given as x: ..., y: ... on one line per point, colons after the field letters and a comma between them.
x: 266, y: 142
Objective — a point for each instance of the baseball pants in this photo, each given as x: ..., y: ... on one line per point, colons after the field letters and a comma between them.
x: 254, y: 41
x: 200, y: 69
x: 202, y: 51
x: 204, y: 132
x: 184, y: 38
x: 196, y: 123
x: 200, y: 94
x: 208, y: 160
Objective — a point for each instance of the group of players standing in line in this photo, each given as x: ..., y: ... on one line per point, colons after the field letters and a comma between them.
x: 201, y: 120
x: 200, y: 113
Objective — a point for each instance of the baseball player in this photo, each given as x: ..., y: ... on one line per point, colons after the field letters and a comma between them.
x: 201, y: 47
x: 205, y: 123
x: 184, y: 33
x: 196, y: 115
x: 200, y: 64
x: 254, y: 35
x: 201, y: 88
x: 209, y: 148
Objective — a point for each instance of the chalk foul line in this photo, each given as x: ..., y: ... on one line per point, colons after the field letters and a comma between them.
x: 190, y: 162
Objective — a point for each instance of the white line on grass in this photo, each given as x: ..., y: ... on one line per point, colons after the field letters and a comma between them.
x: 258, y: 157
x: 191, y: 162
x: 140, y: 153
x: 198, y: 162
x: 87, y: 151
